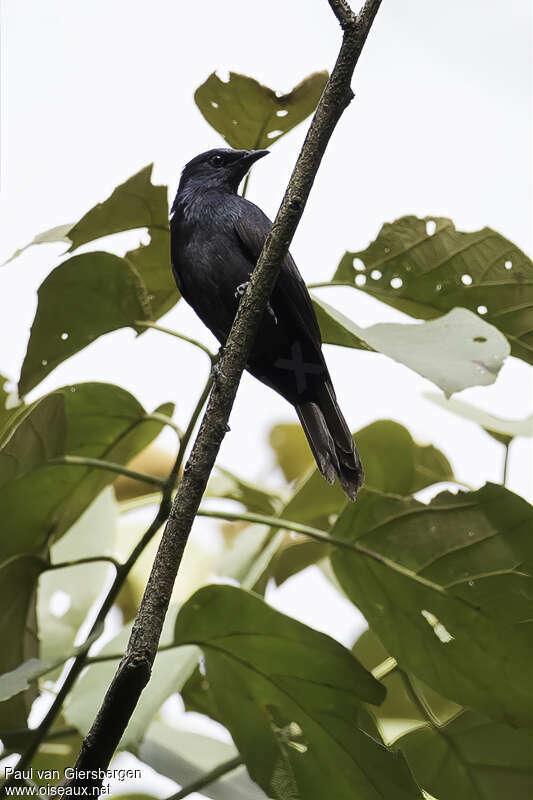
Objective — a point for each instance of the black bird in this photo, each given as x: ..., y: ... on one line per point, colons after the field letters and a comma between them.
x: 216, y: 239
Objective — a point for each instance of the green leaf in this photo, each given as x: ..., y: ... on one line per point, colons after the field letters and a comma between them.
x: 18, y: 583
x: 471, y: 758
x: 94, y: 420
x: 183, y: 756
x: 489, y: 422
x: 291, y: 449
x: 255, y: 498
x: 251, y: 116
x: 393, y: 462
x: 170, y: 671
x: 10, y: 406
x: 152, y: 263
x: 455, y: 351
x: 447, y: 589
x: 82, y: 583
x: 136, y: 203
x: 398, y: 713
x: 80, y: 300
x: 482, y: 271
x: 290, y: 697
x: 20, y: 678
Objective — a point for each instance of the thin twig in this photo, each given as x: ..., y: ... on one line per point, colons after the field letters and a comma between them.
x: 207, y: 779
x: 88, y: 560
x: 134, y: 670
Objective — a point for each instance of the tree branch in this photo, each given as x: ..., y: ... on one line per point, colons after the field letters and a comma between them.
x: 134, y: 670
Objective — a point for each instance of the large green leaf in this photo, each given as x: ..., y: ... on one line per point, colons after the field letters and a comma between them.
x: 447, y: 588
x: 152, y: 263
x: 251, y: 116
x: 136, y: 203
x: 455, y: 351
x: 83, y: 298
x: 393, y: 462
x: 18, y: 583
x: 95, y: 293
x: 399, y: 713
x: 255, y: 498
x: 95, y: 420
x: 291, y: 698
x: 471, y: 758
x: 425, y: 267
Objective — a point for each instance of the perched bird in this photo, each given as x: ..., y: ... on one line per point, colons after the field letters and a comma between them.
x: 216, y: 239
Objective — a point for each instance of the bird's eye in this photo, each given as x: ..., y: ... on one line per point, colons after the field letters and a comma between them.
x: 216, y: 160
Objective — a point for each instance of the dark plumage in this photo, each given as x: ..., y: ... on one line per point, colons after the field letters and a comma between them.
x: 216, y: 239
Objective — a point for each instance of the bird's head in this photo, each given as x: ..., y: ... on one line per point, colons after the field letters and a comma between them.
x: 221, y: 168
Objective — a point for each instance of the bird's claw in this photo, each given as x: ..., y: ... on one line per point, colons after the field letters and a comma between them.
x: 240, y: 290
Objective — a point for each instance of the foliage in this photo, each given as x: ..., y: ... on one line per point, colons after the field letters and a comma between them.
x: 434, y: 697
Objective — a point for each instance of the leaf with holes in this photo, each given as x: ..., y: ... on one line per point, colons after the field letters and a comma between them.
x: 447, y: 588
x: 94, y: 420
x: 251, y: 116
x: 455, y: 351
x: 83, y: 298
x: 291, y: 699
x: 136, y: 203
x: 18, y: 586
x: 471, y: 758
x: 425, y: 267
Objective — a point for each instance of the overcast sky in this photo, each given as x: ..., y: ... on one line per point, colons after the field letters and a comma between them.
x: 441, y: 125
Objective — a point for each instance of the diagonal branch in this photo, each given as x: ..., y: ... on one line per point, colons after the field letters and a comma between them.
x: 134, y: 670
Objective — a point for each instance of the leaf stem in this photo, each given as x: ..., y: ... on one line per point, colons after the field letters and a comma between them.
x: 178, y: 335
x: 209, y: 777
x: 98, y: 463
x: 506, y: 462
x: 88, y: 560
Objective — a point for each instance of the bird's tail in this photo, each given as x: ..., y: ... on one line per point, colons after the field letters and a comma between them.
x: 331, y: 441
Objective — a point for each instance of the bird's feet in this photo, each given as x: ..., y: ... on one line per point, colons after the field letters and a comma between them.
x: 240, y: 290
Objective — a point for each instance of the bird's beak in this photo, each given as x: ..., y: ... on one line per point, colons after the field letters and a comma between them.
x: 250, y: 158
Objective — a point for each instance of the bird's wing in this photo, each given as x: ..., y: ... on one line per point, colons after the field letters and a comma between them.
x: 290, y: 293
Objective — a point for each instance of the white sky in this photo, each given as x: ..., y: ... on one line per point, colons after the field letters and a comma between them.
x: 441, y: 125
